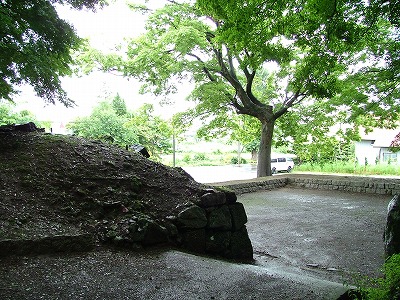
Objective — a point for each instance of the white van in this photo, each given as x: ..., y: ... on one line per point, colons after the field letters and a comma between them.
x: 281, y: 163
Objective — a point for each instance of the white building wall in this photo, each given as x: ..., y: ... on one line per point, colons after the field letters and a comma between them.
x: 365, y: 150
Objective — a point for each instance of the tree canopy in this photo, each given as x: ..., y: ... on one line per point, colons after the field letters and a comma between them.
x: 8, y: 116
x: 35, y: 46
x: 299, y: 51
x: 110, y: 121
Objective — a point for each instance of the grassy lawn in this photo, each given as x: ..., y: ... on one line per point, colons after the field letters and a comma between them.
x: 351, y: 168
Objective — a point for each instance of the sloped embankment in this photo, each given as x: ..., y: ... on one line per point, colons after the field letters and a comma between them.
x: 64, y: 193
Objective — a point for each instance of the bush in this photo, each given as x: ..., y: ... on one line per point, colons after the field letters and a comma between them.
x: 386, y: 288
x: 217, y: 152
x: 350, y: 167
x: 187, y: 158
x: 199, y: 157
x: 234, y: 160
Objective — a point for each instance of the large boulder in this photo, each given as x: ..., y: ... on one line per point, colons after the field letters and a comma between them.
x: 392, y: 229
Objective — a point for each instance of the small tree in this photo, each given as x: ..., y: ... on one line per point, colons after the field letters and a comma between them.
x: 153, y: 132
x: 105, y: 124
x: 119, y: 105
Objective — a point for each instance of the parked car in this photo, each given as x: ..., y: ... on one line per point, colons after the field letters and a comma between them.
x: 279, y: 164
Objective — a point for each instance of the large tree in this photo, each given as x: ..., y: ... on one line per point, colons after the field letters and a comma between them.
x: 224, y: 47
x: 35, y: 46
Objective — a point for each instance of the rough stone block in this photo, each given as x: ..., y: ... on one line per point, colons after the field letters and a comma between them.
x: 155, y: 234
x: 230, y: 197
x: 218, y: 242
x: 192, y: 217
x: 240, y: 246
x: 220, y: 218
x: 239, y: 217
x: 194, y: 240
x: 212, y: 199
x: 392, y: 229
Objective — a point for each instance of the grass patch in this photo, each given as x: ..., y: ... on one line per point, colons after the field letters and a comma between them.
x: 385, y: 288
x: 350, y: 168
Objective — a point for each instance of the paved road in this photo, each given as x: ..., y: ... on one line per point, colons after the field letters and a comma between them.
x: 210, y: 174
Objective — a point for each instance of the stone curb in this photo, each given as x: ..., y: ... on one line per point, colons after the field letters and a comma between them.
x: 356, y: 184
x: 47, y: 245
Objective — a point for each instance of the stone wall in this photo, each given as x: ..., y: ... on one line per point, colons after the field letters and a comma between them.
x: 215, y: 225
x: 254, y: 185
x: 357, y: 184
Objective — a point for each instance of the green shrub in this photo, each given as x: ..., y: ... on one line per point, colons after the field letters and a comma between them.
x: 187, y: 158
x: 386, y: 288
x: 350, y: 167
x: 234, y: 160
x: 217, y: 152
x: 199, y: 157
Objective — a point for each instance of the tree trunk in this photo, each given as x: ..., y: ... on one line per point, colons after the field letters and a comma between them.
x: 254, y: 154
x: 264, y: 153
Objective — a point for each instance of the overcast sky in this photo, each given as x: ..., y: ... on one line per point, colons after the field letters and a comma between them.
x: 105, y: 28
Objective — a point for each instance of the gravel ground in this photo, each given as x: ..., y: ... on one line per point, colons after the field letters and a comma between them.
x: 330, y: 233
x: 106, y: 274
x: 306, y: 244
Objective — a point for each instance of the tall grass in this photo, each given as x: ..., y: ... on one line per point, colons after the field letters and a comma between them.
x: 350, y: 168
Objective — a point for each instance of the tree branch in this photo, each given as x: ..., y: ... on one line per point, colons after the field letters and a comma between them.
x: 231, y: 67
x: 250, y: 104
x: 205, y: 69
x: 295, y: 99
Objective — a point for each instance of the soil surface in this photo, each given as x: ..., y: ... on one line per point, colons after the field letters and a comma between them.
x: 55, y: 185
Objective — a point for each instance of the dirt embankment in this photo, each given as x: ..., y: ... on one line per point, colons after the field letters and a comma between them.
x: 53, y: 185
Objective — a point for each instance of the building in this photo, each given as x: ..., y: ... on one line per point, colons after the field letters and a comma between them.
x: 375, y: 147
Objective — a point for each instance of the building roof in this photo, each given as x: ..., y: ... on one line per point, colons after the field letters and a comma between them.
x: 383, y: 138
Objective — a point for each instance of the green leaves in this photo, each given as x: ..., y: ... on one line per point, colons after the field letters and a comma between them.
x: 111, y: 122
x: 310, y: 49
x: 35, y: 47
x: 8, y: 116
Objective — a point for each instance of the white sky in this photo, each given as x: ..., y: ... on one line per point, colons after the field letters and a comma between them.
x: 105, y: 29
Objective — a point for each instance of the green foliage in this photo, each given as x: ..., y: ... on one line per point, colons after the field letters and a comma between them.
x: 348, y: 167
x: 199, y: 157
x: 35, y: 46
x: 234, y: 160
x: 386, y: 288
x: 111, y: 122
x: 152, y: 131
x: 225, y: 48
x: 104, y: 124
x: 252, y: 145
x: 8, y: 116
x: 187, y: 158
x: 119, y: 105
